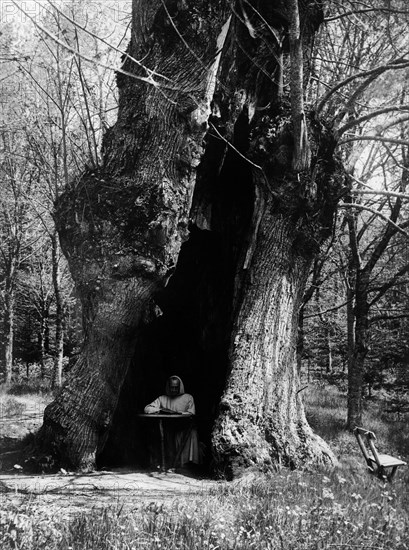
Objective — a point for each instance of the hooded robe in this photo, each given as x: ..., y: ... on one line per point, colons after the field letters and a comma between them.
x: 176, y: 433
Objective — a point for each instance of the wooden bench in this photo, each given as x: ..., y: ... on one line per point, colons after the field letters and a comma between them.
x: 381, y: 465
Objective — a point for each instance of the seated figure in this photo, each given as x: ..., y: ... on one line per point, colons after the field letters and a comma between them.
x: 181, y: 439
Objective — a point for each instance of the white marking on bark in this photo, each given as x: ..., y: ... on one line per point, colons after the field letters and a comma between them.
x: 257, y: 215
x: 202, y: 113
x: 247, y: 23
x: 251, y: 110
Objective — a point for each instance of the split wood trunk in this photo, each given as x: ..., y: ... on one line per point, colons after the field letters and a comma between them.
x: 198, y: 209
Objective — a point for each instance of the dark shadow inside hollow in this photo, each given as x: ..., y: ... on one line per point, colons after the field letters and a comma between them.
x: 191, y: 338
x: 188, y: 339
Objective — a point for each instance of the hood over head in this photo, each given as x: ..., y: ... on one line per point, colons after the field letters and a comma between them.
x: 181, y: 386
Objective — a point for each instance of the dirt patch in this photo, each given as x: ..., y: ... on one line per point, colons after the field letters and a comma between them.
x: 77, y: 492
x: 22, y: 415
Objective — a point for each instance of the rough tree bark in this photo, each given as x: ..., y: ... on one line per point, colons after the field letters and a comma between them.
x: 212, y: 100
x: 121, y: 228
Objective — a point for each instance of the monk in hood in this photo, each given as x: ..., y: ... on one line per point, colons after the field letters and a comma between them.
x: 176, y: 401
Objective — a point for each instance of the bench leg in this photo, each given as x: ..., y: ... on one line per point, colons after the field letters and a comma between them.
x: 382, y: 473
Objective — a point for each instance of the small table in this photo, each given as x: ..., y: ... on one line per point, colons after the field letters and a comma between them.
x: 173, y: 417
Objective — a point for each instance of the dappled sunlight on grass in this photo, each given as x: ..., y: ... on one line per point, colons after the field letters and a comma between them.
x: 288, y: 510
x: 326, y: 410
x: 21, y: 415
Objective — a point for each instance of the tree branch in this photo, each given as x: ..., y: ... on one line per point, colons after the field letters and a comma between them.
x: 357, y: 121
x: 392, y: 282
x: 388, y: 317
x: 394, y: 65
x: 379, y: 192
x: 122, y: 52
x: 302, y: 154
x: 379, y: 214
x: 147, y: 80
x: 374, y: 138
x: 327, y: 310
x: 368, y: 10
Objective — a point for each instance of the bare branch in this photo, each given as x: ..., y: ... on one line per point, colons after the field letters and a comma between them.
x: 147, y: 80
x: 150, y: 72
x: 379, y: 192
x: 369, y: 116
x: 394, y: 65
x: 339, y: 306
x: 391, y: 283
x: 219, y: 135
x: 368, y: 10
x: 375, y: 138
x: 387, y: 316
x: 379, y: 214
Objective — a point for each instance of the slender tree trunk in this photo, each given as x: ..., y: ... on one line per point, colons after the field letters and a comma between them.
x: 42, y: 340
x: 361, y: 338
x: 329, y: 347
x: 59, y: 347
x: 355, y: 375
x: 350, y: 326
x: 9, y: 305
x: 59, y: 315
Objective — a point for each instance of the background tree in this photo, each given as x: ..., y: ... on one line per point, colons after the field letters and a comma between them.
x: 358, y: 76
x: 17, y: 236
x: 61, y: 109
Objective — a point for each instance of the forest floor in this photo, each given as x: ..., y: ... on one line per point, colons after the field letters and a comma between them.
x: 343, y: 507
x: 21, y: 416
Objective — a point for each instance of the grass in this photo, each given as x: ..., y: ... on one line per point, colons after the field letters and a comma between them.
x: 21, y: 413
x: 341, y: 509
x: 326, y: 410
x: 9, y: 407
x: 291, y: 510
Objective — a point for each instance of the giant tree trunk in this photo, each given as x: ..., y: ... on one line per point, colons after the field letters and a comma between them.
x: 261, y: 419
x: 259, y: 224
x: 121, y: 228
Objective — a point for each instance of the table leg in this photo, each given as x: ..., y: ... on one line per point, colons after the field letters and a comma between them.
x: 162, y: 444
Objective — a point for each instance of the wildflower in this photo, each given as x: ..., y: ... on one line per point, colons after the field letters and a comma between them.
x: 327, y: 493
